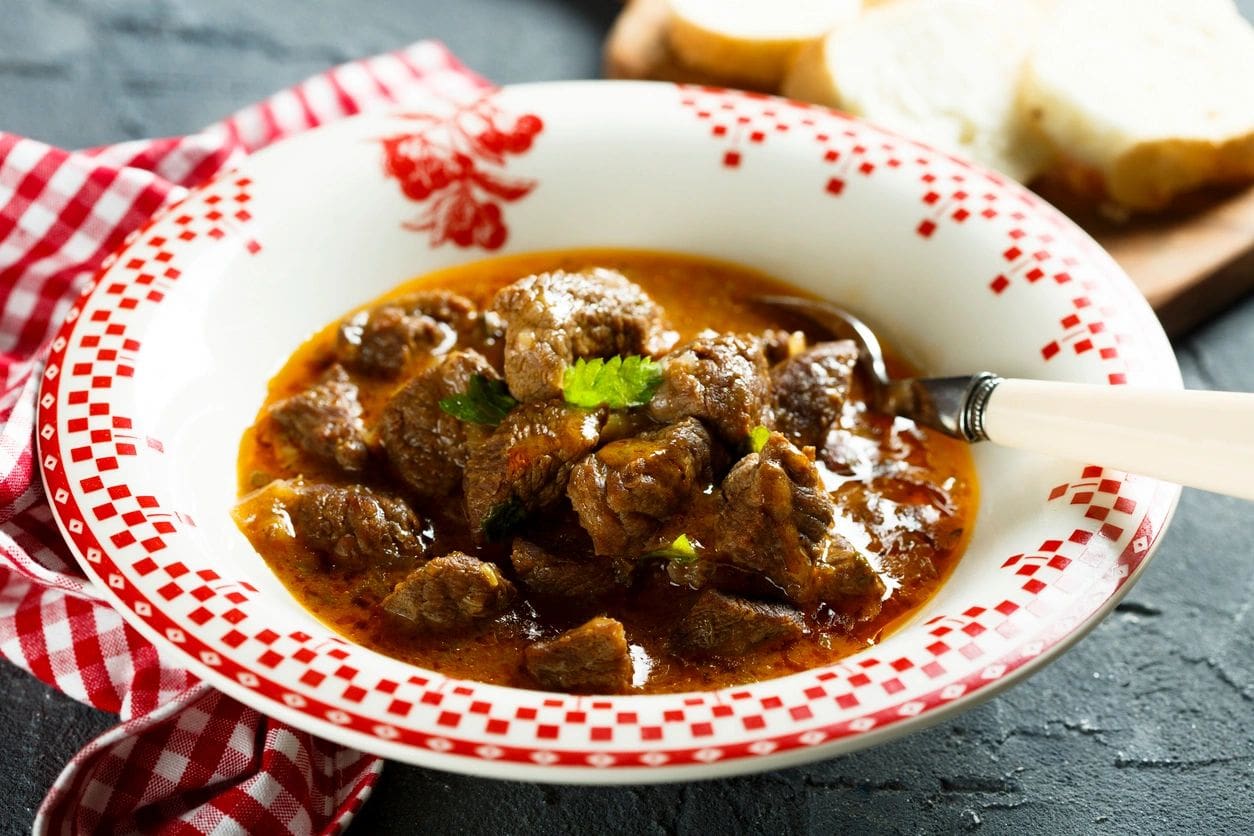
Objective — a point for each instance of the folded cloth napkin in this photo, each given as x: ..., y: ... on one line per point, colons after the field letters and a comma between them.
x: 185, y: 759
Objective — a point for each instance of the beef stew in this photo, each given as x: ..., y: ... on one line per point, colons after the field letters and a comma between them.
x: 599, y: 472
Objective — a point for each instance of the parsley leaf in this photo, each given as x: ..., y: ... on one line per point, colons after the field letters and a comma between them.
x: 484, y: 402
x: 681, y: 550
x: 757, y: 438
x: 503, y: 519
x: 619, y: 382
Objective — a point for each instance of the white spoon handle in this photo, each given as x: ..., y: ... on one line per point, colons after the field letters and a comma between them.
x: 1201, y: 439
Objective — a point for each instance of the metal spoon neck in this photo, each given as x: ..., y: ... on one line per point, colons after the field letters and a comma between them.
x: 954, y: 406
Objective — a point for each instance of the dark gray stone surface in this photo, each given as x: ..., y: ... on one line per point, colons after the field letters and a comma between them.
x: 1144, y: 727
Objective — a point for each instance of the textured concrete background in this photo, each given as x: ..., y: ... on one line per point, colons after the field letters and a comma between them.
x: 1144, y: 727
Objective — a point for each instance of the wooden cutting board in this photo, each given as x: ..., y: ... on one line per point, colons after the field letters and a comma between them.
x: 1190, y: 263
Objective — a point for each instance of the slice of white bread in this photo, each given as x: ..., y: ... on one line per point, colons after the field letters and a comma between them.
x: 1146, y: 99
x: 637, y: 47
x: 942, y: 71
x: 750, y: 42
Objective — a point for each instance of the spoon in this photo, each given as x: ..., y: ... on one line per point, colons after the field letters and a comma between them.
x: 1197, y: 438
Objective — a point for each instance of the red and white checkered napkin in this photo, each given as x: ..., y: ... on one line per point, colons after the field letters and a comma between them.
x: 185, y: 759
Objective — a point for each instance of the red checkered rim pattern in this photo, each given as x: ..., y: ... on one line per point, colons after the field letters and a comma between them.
x: 950, y: 191
x: 126, y: 535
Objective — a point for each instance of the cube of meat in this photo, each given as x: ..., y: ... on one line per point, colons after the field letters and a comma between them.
x: 525, y: 463
x: 350, y: 528
x: 453, y: 592
x: 384, y: 340
x: 776, y: 519
x: 624, y: 491
x: 590, y: 659
x: 545, y: 573
x: 325, y: 421
x: 778, y: 345
x: 905, y: 521
x: 845, y: 582
x: 726, y: 626
x: 554, y: 318
x: 722, y: 379
x: 810, y: 389
x: 426, y: 447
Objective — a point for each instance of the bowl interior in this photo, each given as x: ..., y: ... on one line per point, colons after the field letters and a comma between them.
x: 957, y: 268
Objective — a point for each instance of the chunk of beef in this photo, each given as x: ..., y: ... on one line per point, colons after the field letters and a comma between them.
x: 383, y: 340
x: 426, y: 447
x: 325, y: 421
x: 845, y: 582
x: 443, y: 306
x: 545, y: 573
x: 778, y: 345
x: 854, y: 452
x: 722, y: 379
x: 777, y: 518
x: 911, y: 563
x: 453, y: 592
x: 810, y: 389
x: 591, y: 659
x: 625, y: 490
x: 909, y: 524
x: 726, y: 626
x: 525, y: 463
x: 350, y: 528
x: 553, y: 318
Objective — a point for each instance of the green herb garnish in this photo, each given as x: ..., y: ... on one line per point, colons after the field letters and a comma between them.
x: 619, y: 382
x: 503, y: 519
x: 484, y: 402
x: 681, y: 550
x: 757, y: 438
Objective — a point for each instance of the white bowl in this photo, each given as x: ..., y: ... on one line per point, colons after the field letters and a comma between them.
x: 163, y: 364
